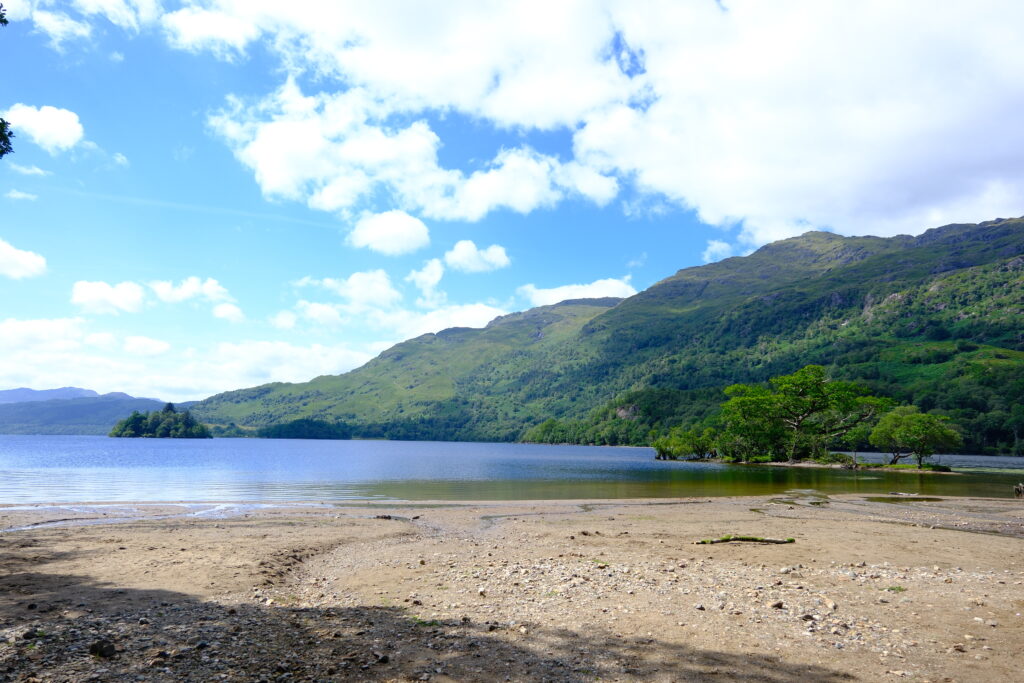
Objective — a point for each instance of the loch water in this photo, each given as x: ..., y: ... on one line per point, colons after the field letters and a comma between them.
x: 63, y: 469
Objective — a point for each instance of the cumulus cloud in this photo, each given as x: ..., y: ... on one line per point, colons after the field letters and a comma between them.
x: 60, y: 27
x: 716, y: 251
x: 229, y: 312
x: 18, y: 263
x: 361, y: 291
x: 772, y: 119
x: 426, y: 280
x: 336, y: 150
x: 18, y: 194
x: 52, y: 128
x: 191, y: 287
x: 465, y: 256
x: 597, y: 289
x: 392, y: 233
x: 102, y: 297
x: 145, y: 346
x: 320, y: 313
x: 283, y: 320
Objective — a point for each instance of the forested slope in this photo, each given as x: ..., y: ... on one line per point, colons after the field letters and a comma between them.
x: 933, y: 319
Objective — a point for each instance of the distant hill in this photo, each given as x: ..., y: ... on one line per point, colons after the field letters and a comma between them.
x: 87, y: 415
x: 933, y: 319
x: 24, y: 395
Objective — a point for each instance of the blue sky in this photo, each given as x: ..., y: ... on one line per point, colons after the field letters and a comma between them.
x: 209, y: 195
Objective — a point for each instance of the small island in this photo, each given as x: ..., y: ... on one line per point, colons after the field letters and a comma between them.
x: 167, y: 423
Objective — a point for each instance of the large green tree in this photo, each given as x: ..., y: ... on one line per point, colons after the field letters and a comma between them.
x: 887, y: 435
x: 799, y: 416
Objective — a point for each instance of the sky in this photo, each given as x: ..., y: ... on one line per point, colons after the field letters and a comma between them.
x: 213, y: 194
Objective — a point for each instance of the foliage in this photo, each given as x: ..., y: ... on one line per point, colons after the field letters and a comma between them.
x: 925, y: 434
x: 798, y: 417
x: 886, y: 435
x: 305, y: 428
x: 931, y: 320
x: 906, y: 431
x: 164, y: 424
x: 680, y: 443
x: 5, y: 128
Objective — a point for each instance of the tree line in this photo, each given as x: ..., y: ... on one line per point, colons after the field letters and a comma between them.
x: 802, y: 416
x: 167, y: 423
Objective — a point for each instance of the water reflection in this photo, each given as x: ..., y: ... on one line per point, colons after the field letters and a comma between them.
x: 68, y: 469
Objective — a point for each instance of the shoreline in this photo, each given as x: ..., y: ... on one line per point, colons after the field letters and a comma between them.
x: 577, y: 590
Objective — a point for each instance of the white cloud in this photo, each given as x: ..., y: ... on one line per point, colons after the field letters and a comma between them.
x: 190, y: 288
x: 600, y: 288
x: 127, y: 14
x: 465, y: 256
x: 120, y: 159
x: 773, y: 118
x: 62, y: 352
x: 102, y: 340
x: 716, y: 251
x: 28, y: 170
x: 229, y: 312
x: 392, y: 233
x: 406, y: 324
x: 18, y: 263
x: 319, y: 313
x: 60, y: 27
x: 52, y: 128
x: 284, y: 320
x: 336, y: 150
x: 426, y: 280
x: 247, y: 363
x: 361, y: 291
x: 194, y: 29
x: 145, y: 346
x: 41, y: 335
x: 18, y: 194
x: 101, y: 297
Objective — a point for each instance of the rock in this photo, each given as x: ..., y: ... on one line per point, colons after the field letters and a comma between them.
x: 778, y: 604
x: 699, y: 607
x: 102, y: 648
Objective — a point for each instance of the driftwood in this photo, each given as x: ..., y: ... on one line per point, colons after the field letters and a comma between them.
x: 747, y: 539
x: 1018, y: 491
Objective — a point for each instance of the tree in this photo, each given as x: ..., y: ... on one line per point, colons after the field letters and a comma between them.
x: 926, y: 434
x: 798, y: 417
x: 5, y: 128
x: 681, y: 442
x: 886, y: 434
x: 817, y: 410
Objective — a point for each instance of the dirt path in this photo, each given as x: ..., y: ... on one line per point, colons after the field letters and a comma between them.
x: 560, y: 591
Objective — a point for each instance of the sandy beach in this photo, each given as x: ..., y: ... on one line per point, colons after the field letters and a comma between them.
x: 916, y: 589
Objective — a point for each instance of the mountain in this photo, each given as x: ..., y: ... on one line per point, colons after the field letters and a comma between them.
x: 933, y: 319
x: 86, y: 415
x: 24, y: 395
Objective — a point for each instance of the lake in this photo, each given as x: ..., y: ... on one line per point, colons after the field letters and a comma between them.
x: 63, y: 469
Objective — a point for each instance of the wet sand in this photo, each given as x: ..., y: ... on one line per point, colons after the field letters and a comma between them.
x: 916, y: 589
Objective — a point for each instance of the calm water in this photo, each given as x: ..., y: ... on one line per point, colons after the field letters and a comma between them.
x: 61, y: 469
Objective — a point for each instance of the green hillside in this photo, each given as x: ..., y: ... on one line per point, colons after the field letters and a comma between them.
x: 934, y: 319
